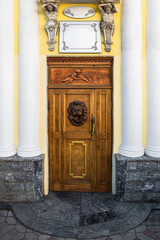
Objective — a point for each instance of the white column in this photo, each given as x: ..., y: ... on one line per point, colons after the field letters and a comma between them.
x: 153, y: 78
x: 7, y: 148
x: 29, y: 79
x: 131, y: 79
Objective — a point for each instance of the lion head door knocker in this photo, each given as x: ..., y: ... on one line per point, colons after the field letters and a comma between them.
x: 77, y: 113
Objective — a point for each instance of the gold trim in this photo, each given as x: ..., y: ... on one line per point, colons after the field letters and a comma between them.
x: 70, y: 160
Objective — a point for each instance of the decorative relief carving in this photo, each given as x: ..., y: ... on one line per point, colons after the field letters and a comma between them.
x: 77, y: 76
x: 107, y: 23
x: 79, y: 11
x: 50, y: 8
x: 77, y: 113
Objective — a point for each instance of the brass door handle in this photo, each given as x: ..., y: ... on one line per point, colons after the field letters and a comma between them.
x: 92, y: 125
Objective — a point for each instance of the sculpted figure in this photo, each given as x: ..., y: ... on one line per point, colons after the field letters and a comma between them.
x: 51, y: 11
x: 107, y: 24
x: 77, y: 76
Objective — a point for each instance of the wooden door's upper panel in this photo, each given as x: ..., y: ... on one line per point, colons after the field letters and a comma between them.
x: 79, y: 72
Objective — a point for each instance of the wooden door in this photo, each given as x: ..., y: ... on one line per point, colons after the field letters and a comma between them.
x: 80, y: 132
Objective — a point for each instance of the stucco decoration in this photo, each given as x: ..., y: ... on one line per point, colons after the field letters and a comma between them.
x: 79, y: 12
x: 107, y: 23
x: 79, y: 37
x: 50, y: 8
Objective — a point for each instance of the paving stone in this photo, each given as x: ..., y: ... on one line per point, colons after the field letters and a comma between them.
x: 157, y: 228
x: 43, y: 237
x: 11, y: 220
x: 56, y: 238
x: 5, y: 230
x: 151, y: 228
x: 10, y: 214
x: 2, y: 226
x: 151, y: 234
x: 3, y: 213
x: 141, y: 236
x: 20, y: 228
x: 116, y: 237
x: 13, y: 232
x: 2, y: 219
x: 29, y: 230
x: 129, y: 236
x: 19, y: 236
x: 6, y: 237
x: 30, y: 236
x: 37, y: 233
x: 141, y: 228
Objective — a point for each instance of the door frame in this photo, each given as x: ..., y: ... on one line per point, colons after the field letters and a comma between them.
x: 104, y: 61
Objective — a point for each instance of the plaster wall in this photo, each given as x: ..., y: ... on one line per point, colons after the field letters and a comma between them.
x: 44, y: 52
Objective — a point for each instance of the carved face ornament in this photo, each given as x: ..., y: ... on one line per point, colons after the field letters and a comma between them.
x: 77, y: 113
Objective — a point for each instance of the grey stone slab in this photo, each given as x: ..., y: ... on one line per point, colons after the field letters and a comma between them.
x: 73, y: 198
x: 60, y: 218
x: 23, y: 212
x: 156, y: 206
x: 139, y: 212
x: 101, y: 229
x: 38, y: 207
x: 52, y: 228
x: 95, y: 203
x: 68, y: 217
x: 123, y: 208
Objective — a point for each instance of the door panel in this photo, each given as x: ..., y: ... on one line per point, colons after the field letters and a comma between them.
x: 80, y: 123
x: 104, y: 139
x: 77, y: 144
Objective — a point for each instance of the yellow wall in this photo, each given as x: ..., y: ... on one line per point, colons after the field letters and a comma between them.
x: 44, y: 52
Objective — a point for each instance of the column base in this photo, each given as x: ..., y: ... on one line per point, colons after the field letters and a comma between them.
x: 7, y: 151
x: 152, y: 151
x: 29, y: 152
x: 138, y: 179
x: 131, y: 152
x: 21, y: 179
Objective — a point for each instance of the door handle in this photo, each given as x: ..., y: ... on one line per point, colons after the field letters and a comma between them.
x: 92, y: 125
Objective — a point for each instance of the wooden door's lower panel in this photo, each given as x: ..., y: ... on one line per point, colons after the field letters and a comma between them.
x: 78, y: 165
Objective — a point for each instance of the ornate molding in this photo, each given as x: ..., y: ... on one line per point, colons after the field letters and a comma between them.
x: 77, y: 113
x: 50, y: 8
x: 87, y: 60
x: 107, y: 9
